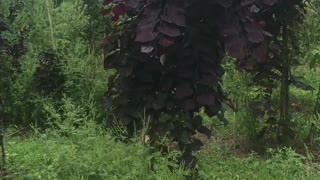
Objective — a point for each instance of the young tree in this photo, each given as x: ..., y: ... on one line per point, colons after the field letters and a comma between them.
x: 282, y: 21
x: 168, y: 57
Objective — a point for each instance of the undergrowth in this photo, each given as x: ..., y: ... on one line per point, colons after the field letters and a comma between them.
x: 78, y: 148
x: 89, y: 152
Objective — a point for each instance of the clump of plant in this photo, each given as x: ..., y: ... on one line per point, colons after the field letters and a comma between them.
x: 47, y: 85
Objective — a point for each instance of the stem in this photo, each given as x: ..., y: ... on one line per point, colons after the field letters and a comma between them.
x: 284, y: 92
x: 51, y: 25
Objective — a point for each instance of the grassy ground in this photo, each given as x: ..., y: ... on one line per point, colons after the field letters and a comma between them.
x: 89, y: 152
x: 82, y: 154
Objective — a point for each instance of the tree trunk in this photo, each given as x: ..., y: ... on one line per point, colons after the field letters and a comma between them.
x: 285, y: 132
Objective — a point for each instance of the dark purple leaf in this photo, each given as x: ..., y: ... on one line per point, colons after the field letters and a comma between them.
x: 260, y: 53
x: 213, y: 110
x: 109, y: 61
x: 189, y: 105
x: 230, y: 29
x: 145, y: 33
x: 224, y: 3
x: 185, y: 72
x: 120, y: 10
x: 237, y: 50
x: 166, y: 42
x: 183, y: 90
x: 169, y: 29
x: 125, y: 71
x: 247, y: 2
x: 143, y: 76
x: 207, y: 68
x: 235, y: 47
x: 152, y: 66
x: 252, y: 28
x: 167, y: 85
x: 132, y: 4
x: 178, y: 20
x: 107, y: 2
x: 255, y: 37
x: 269, y: 2
x: 206, y: 99
x: 209, y: 80
x: 174, y: 13
x: 151, y: 10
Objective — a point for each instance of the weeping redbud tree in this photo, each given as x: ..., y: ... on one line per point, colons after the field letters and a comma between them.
x: 168, y: 56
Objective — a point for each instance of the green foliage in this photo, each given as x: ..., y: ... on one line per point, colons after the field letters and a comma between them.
x: 78, y: 148
x: 246, y: 109
x: 310, y: 34
x: 48, y: 79
x: 281, y: 164
x: 88, y: 152
x: 12, y: 47
x: 46, y: 73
